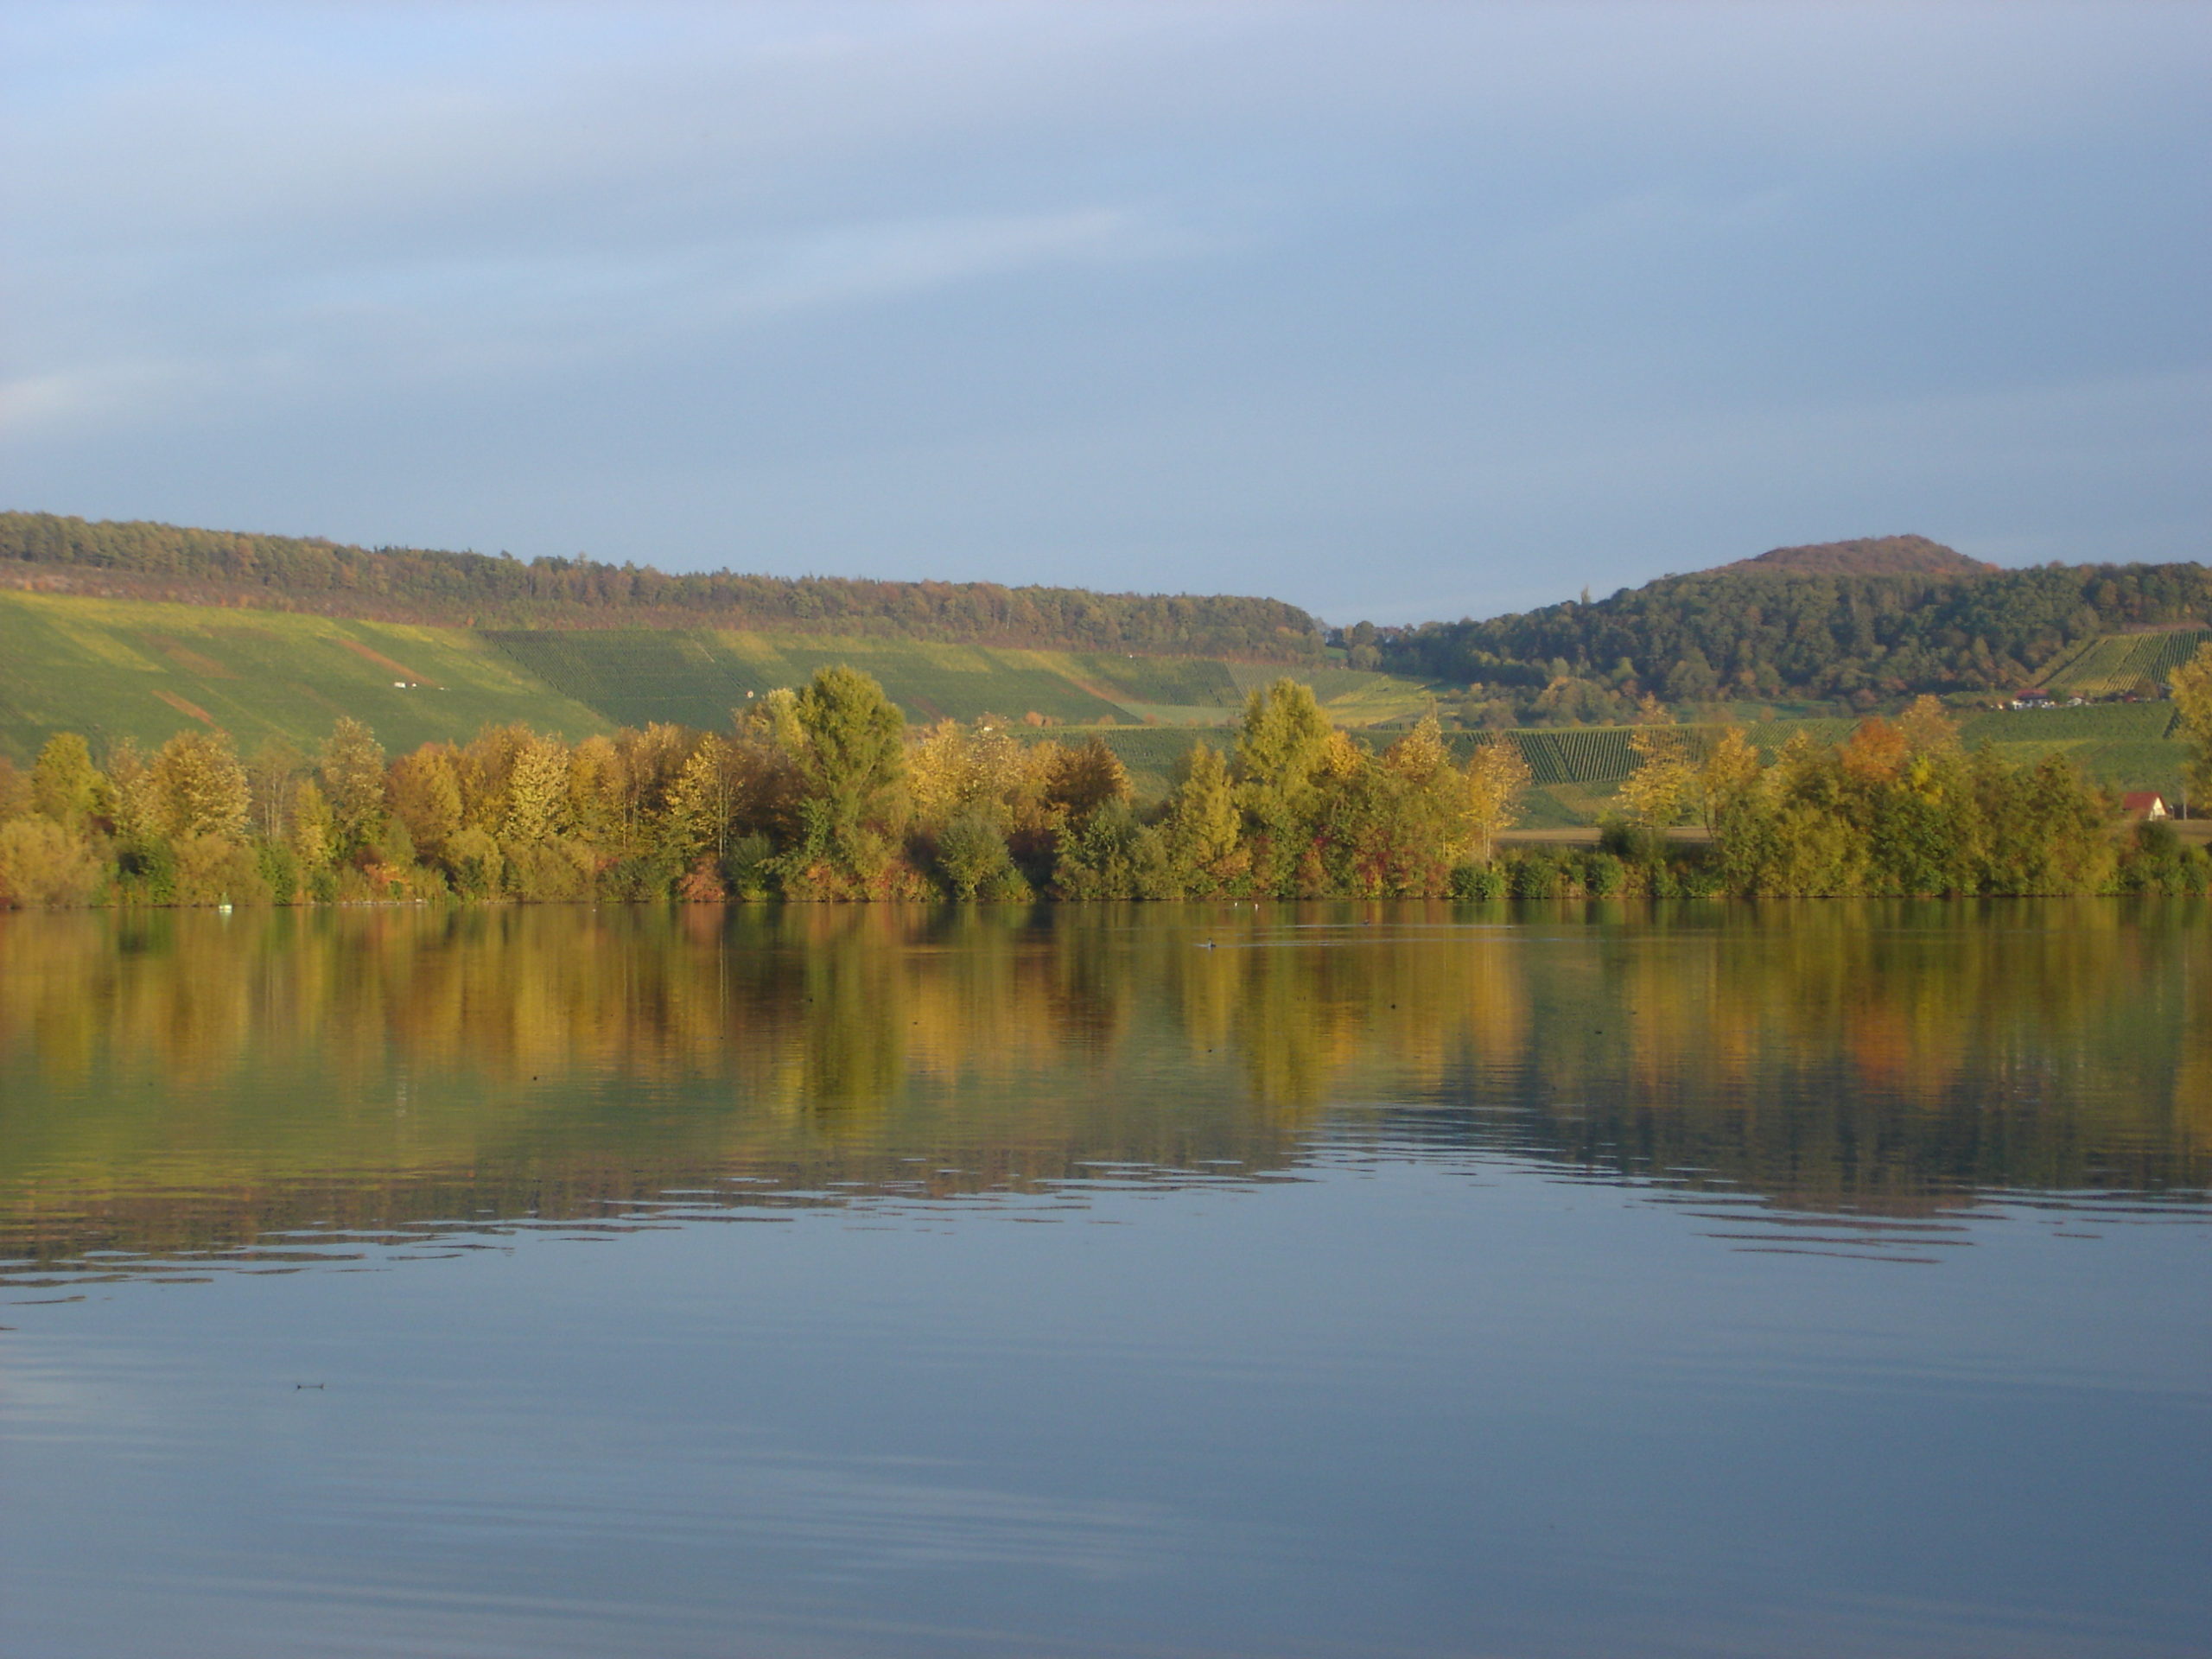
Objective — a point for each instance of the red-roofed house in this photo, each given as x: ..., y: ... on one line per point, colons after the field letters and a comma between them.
x: 2145, y: 803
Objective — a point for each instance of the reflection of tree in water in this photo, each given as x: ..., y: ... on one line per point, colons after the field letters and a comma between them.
x: 1877, y: 1054
x: 183, y: 1077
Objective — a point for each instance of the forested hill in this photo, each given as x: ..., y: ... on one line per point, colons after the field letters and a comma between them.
x: 155, y: 561
x: 1817, y: 625
x: 1871, y: 555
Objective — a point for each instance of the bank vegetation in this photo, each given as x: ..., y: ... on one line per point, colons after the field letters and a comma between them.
x: 825, y: 793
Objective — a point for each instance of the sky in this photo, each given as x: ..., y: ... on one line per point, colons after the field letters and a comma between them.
x: 1395, y: 312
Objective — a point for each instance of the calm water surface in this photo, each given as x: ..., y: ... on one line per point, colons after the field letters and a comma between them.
x: 1314, y: 1280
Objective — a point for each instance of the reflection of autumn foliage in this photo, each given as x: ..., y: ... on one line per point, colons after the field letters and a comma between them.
x: 177, y: 1077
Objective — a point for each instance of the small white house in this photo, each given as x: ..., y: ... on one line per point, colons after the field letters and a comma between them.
x: 2146, y: 804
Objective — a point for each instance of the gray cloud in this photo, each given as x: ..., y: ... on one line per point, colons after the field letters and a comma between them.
x: 1389, y: 311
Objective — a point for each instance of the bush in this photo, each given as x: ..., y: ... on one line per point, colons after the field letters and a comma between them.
x: 640, y: 876
x: 1475, y: 881
x: 1603, y: 876
x: 1536, y: 875
x: 1632, y: 843
x: 213, y: 869
x: 971, y: 855
x: 2158, y: 863
x: 749, y: 867
x: 280, y: 871
x: 549, y: 871
x: 474, y: 863
x: 42, y: 863
x: 149, y: 871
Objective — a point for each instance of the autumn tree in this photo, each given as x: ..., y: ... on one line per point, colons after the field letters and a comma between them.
x: 310, y: 831
x: 269, y: 770
x: 1497, y: 776
x: 1664, y: 784
x: 537, y: 792
x: 1204, y: 824
x: 426, y: 799
x: 1083, y: 781
x: 2192, y: 691
x: 1929, y: 729
x: 65, y: 785
x: 352, y: 775
x: 199, y: 788
x: 1728, y: 776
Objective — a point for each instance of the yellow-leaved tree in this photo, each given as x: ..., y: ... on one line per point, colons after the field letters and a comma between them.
x: 2192, y: 690
x: 1497, y: 777
x: 1663, y: 787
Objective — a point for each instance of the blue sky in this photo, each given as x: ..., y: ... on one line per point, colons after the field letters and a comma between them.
x: 1394, y: 311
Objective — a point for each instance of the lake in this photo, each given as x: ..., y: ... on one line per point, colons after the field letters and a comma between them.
x: 1830, y: 1279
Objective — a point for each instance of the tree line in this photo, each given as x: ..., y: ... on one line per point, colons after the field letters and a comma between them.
x: 823, y: 793
x: 1754, y: 634
x: 155, y: 559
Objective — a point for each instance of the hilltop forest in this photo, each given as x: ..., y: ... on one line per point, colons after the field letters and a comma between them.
x: 1806, y: 627
x: 137, y: 560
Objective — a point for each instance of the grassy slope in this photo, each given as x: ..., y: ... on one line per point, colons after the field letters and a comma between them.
x: 696, y: 677
x: 115, y: 668
x: 118, y: 668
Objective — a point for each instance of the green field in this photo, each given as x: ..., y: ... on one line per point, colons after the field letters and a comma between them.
x: 112, y: 669
x: 2139, y: 722
x: 695, y: 678
x: 116, y: 668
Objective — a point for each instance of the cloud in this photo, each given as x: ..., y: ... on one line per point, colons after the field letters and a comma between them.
x: 1344, y: 299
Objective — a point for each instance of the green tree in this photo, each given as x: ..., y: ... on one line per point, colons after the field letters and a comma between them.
x: 1284, y: 750
x: 852, y: 759
x: 972, y: 854
x: 1204, y: 824
x: 354, y: 782
x: 65, y: 785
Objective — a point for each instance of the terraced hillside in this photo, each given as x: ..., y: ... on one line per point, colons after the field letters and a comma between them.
x: 2121, y: 662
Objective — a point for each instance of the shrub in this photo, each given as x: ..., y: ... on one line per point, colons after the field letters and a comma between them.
x: 1536, y: 874
x: 149, y: 871
x: 474, y: 863
x: 548, y: 871
x: 1475, y: 881
x: 214, y: 869
x: 971, y: 854
x: 42, y: 863
x: 280, y: 871
x: 749, y: 867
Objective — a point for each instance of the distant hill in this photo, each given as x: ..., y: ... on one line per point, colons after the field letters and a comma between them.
x: 1870, y: 555
x: 1857, y: 623
x: 146, y: 561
